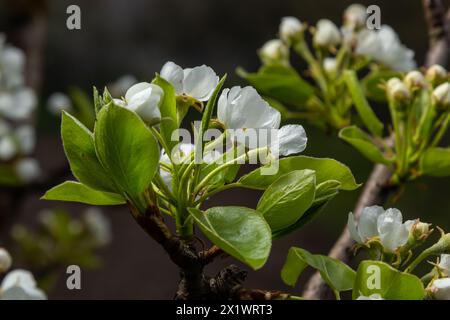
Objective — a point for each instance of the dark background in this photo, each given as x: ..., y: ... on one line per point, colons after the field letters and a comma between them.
x: 137, y: 37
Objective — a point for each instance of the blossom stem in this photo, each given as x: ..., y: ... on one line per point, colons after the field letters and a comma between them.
x: 216, y: 191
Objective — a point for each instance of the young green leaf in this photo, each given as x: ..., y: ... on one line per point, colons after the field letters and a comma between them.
x: 168, y: 110
x: 282, y: 83
x: 287, y: 199
x: 126, y: 149
x: 79, y: 147
x: 335, y: 273
x: 364, y: 144
x: 77, y: 192
x: 326, y: 169
x: 326, y: 190
x: 241, y: 232
x: 376, y: 277
x: 83, y: 106
x: 435, y: 162
x: 373, y: 82
x: 366, y: 113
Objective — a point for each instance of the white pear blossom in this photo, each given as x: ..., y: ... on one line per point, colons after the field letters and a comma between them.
x: 374, y: 296
x: 28, y: 169
x: 415, y: 79
x: 384, y: 46
x: 20, y: 285
x: 355, y: 16
x: 17, y: 104
x: 440, y: 289
x: 327, y: 34
x: 12, y: 62
x: 274, y: 51
x: 58, y: 102
x: 198, y: 82
x: 376, y: 222
x: 5, y: 260
x: 243, y: 108
x: 8, y: 148
x: 291, y: 29
x: 26, y: 139
x: 144, y: 98
x: 99, y: 225
x: 444, y: 264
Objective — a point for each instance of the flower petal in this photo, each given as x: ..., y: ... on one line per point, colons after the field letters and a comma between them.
x: 200, y: 82
x: 352, y: 228
x: 173, y: 73
x: 367, y: 226
x: 393, y: 233
x: 291, y: 139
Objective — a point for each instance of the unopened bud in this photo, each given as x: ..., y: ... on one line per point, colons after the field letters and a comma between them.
x: 440, y: 289
x: 5, y: 260
x: 327, y: 34
x: 330, y: 65
x: 274, y: 52
x: 415, y: 80
x: 291, y: 30
x: 436, y: 74
x: 419, y: 231
x: 355, y: 16
x: 397, y: 89
x: 441, y: 95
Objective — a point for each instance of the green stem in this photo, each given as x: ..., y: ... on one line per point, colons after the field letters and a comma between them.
x: 422, y: 256
x: 216, y: 191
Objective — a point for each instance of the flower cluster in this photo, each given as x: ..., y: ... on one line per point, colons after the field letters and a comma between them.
x: 18, y: 284
x: 17, y: 102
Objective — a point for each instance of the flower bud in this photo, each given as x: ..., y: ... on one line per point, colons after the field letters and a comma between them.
x: 441, y: 95
x: 440, y: 289
x: 330, y: 65
x: 144, y: 99
x: 5, y: 260
x: 355, y: 16
x: 397, y: 89
x: 327, y: 34
x: 436, y: 74
x: 418, y: 230
x: 415, y: 80
x: 274, y: 52
x: 444, y: 264
x: 291, y: 30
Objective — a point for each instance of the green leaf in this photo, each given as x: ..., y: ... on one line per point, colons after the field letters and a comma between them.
x: 435, y: 162
x: 364, y: 144
x: 376, y: 277
x: 126, y: 148
x: 282, y: 83
x: 83, y: 106
x: 326, y: 191
x: 241, y: 232
x: 373, y: 81
x: 168, y: 109
x: 98, y: 100
x: 79, y: 147
x: 366, y: 113
x: 78, y: 192
x: 287, y: 199
x: 335, y: 273
x: 326, y: 169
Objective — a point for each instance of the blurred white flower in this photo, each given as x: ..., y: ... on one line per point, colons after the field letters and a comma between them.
x: 58, y: 102
x: 8, y: 148
x: 444, y: 264
x: 440, y: 289
x: 99, y: 225
x: 415, y: 79
x: 12, y: 62
x: 330, y: 65
x: 184, y: 150
x: 327, y: 34
x: 145, y: 98
x: 384, y: 46
x: 274, y: 51
x: 436, y: 74
x: 397, y: 89
x: 198, y: 82
x: 291, y: 29
x: 374, y: 296
x: 5, y: 260
x: 121, y: 85
x: 375, y: 221
x: 20, y: 285
x: 28, y: 169
x: 19, y: 104
x: 441, y: 95
x: 5, y: 128
x: 355, y: 16
x: 26, y: 139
